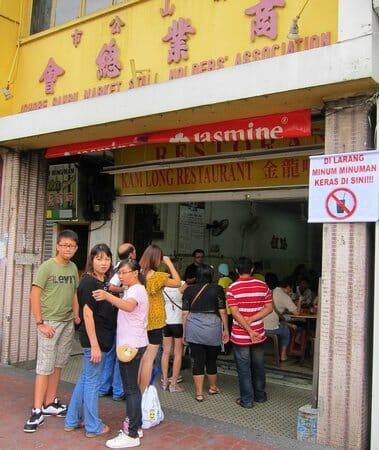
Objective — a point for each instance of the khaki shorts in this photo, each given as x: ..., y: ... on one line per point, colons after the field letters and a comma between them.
x: 54, y: 352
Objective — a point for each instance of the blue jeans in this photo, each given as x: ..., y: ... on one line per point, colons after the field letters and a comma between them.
x: 85, y: 398
x: 283, y: 332
x: 251, y: 372
x: 111, y: 378
x: 129, y: 375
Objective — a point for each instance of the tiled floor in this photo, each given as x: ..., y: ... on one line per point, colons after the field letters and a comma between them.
x: 277, y: 416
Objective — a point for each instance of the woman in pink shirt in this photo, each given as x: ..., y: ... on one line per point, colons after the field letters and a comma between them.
x: 132, y: 330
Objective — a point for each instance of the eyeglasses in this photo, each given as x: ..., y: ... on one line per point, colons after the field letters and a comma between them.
x: 70, y: 246
x: 124, y: 272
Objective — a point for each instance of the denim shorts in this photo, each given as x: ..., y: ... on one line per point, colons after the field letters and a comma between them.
x: 54, y: 352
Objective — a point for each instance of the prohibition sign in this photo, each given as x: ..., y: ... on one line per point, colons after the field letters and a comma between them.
x: 343, y: 201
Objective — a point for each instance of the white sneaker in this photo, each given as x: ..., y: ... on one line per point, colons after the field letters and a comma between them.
x: 56, y: 408
x: 123, y: 441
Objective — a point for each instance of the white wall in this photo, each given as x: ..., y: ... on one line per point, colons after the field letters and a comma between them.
x: 250, y: 230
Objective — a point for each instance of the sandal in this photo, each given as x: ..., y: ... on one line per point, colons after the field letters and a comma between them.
x: 77, y: 427
x: 213, y: 390
x: 105, y: 430
x: 199, y: 398
x: 165, y: 386
x: 175, y: 388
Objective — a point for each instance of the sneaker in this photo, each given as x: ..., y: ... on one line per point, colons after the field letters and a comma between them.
x: 35, y: 420
x: 56, y: 408
x: 123, y: 441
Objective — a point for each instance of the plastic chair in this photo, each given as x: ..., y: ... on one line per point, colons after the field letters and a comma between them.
x: 275, y: 343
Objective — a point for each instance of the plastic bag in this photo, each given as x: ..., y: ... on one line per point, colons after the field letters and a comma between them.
x: 152, y: 413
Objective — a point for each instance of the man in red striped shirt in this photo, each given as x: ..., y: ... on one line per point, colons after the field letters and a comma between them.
x: 250, y: 300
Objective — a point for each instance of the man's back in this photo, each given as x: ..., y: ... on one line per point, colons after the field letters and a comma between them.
x: 249, y: 295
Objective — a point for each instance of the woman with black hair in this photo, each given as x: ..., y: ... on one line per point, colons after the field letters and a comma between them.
x: 205, y: 327
x: 96, y: 334
x: 132, y: 330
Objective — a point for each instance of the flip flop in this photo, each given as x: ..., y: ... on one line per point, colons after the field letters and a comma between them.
x: 105, y: 430
x: 214, y: 391
x: 199, y: 398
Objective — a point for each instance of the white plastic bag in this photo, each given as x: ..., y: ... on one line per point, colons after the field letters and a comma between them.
x: 152, y: 413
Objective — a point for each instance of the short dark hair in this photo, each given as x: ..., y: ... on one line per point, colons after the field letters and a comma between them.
x: 198, y: 250
x: 285, y: 282
x: 68, y: 234
x: 133, y: 265
x: 126, y: 253
x: 204, y: 273
x: 271, y: 280
x: 244, y: 265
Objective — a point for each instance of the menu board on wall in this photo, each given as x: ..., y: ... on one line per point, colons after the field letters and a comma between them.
x: 191, y: 227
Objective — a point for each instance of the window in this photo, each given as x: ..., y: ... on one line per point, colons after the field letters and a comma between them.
x: 51, y: 13
x: 66, y: 10
x: 94, y: 5
x: 41, y: 16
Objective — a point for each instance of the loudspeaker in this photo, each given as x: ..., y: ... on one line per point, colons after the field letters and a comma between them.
x: 100, y: 194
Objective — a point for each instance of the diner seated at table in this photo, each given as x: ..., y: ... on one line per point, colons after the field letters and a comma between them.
x: 303, y: 296
x: 275, y: 322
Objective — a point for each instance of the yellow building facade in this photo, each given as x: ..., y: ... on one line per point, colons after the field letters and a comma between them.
x: 199, y: 100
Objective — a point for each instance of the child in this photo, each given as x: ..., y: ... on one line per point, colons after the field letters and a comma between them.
x: 54, y: 305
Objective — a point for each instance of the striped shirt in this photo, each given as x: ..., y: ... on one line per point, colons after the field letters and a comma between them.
x: 250, y: 296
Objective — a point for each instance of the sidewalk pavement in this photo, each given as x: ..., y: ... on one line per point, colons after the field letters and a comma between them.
x: 179, y: 430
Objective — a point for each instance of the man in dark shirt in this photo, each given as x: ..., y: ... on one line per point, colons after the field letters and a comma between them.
x: 190, y: 272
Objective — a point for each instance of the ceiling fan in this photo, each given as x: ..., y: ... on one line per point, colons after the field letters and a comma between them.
x: 218, y: 226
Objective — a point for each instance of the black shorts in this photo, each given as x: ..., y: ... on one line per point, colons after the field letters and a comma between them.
x: 174, y: 330
x: 155, y: 336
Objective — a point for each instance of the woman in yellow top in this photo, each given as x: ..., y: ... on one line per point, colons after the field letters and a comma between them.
x: 225, y: 281
x: 155, y: 283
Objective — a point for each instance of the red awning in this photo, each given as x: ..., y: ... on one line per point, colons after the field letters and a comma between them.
x: 274, y: 126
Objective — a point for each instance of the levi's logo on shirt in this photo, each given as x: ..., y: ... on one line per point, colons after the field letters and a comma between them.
x: 62, y: 279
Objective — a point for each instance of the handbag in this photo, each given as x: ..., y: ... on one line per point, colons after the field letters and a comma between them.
x: 125, y: 353
x: 152, y: 414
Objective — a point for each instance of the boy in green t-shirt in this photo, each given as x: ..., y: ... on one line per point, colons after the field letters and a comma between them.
x: 55, y: 308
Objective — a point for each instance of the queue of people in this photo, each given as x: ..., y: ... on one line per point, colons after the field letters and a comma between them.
x: 140, y: 309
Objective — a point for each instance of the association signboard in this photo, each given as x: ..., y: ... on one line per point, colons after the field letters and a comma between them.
x: 344, y: 187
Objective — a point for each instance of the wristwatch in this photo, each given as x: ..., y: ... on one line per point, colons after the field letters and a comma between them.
x: 39, y: 323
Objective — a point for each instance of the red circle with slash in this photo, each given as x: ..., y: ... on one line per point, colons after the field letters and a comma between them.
x: 337, y: 200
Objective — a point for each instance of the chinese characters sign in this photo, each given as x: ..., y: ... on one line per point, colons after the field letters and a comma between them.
x: 250, y: 174
x: 265, y: 22
x: 62, y: 188
x: 190, y: 38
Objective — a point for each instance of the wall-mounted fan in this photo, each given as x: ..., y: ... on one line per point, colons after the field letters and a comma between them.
x: 218, y: 226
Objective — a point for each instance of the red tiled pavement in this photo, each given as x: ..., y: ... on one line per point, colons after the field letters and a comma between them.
x: 16, y: 393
